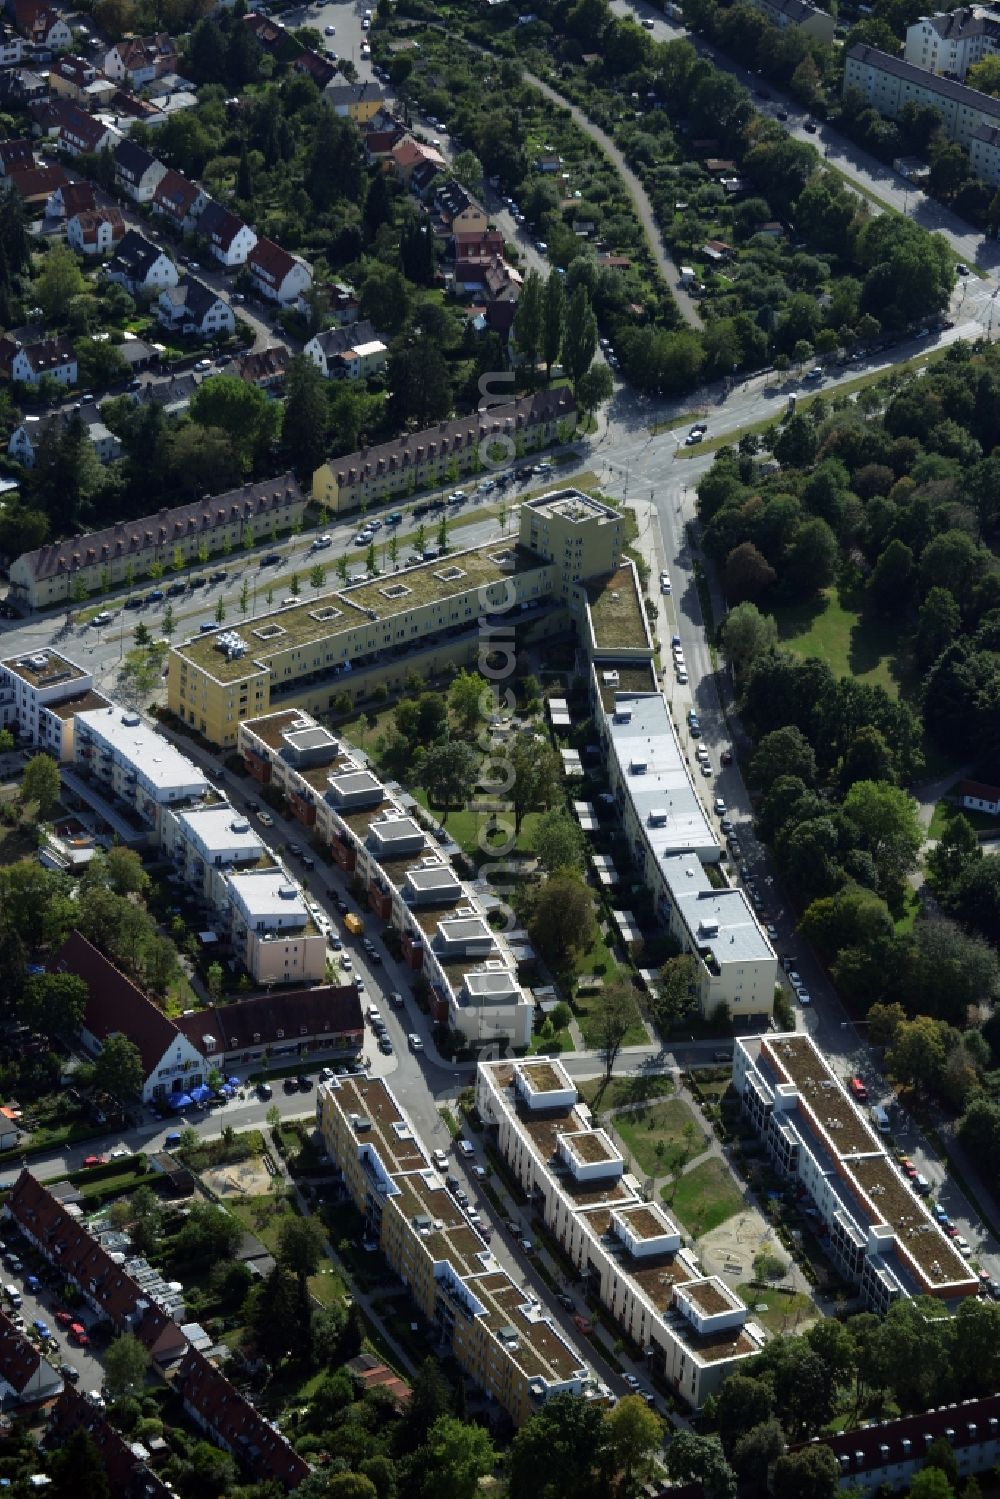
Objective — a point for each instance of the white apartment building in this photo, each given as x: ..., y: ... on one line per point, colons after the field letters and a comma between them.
x: 951, y: 41
x: 882, y: 1236
x: 271, y: 929
x: 889, y: 83
x: 125, y: 757
x: 40, y: 696
x: 671, y: 839
x: 408, y: 881
x: 692, y: 1328
x: 206, y: 842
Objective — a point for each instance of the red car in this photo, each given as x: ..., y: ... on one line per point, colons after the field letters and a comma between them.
x: 79, y: 1335
x: 96, y: 1160
x: 909, y: 1169
x: 64, y: 1319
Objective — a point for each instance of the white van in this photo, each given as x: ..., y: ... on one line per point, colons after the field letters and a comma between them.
x: 880, y: 1119
x: 13, y: 1295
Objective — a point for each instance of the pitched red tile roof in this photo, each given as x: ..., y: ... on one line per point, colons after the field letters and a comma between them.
x: 16, y: 153
x: 870, y: 1448
x: 980, y: 790
x: 175, y: 194
x: 127, y: 538
x: 78, y: 197
x: 270, y: 261
x: 65, y: 1243
x: 19, y: 1359
x: 213, y: 1401
x: 114, y: 1004
x: 90, y: 223
x: 129, y: 1473
x: 36, y: 183
x: 325, y: 1010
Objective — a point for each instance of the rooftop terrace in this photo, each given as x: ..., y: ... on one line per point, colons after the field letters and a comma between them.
x: 631, y: 677
x: 44, y: 668
x: 841, y: 1124
x: 917, y: 1235
x: 373, y: 1101
x: 541, y: 1351
x: 616, y: 611
x: 328, y: 615
x: 271, y: 728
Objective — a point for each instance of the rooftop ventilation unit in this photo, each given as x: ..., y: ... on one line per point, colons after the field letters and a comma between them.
x: 231, y: 644
x: 288, y: 892
x: 610, y: 678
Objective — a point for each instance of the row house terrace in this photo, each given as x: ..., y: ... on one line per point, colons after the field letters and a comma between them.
x: 881, y: 1234
x: 126, y: 1463
x: 691, y: 1326
x: 218, y: 1408
x: 59, y: 1234
x: 373, y: 835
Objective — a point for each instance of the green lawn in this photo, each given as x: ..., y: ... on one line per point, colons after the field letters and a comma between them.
x: 981, y: 821
x: 905, y: 922
x: 833, y: 628
x: 623, y: 1090
x: 787, y: 1311
x: 703, y: 1198
x: 263, y: 1218
x: 661, y: 1138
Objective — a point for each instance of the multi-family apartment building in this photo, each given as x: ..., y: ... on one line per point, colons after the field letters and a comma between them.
x: 272, y: 931
x: 312, y: 653
x: 692, y: 1328
x: 179, y: 1053
x: 498, y: 1334
x: 125, y: 761
x: 40, y: 696
x: 799, y: 14
x: 470, y: 971
x: 127, y: 550
x: 951, y: 41
x: 887, y: 1455
x: 419, y: 460
x: 671, y: 841
x: 882, y: 1236
x: 890, y: 83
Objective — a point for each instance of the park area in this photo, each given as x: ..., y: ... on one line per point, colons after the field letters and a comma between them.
x: 703, y: 1198
x: 662, y: 1138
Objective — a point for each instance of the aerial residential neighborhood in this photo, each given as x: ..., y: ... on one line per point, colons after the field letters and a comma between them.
x: 499, y: 755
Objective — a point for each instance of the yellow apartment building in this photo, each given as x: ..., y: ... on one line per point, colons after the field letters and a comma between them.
x: 499, y: 1336
x: 313, y: 653
x: 125, y: 552
x: 441, y: 454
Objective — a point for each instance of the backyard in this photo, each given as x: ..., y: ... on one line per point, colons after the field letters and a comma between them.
x: 662, y: 1138
x: 703, y: 1198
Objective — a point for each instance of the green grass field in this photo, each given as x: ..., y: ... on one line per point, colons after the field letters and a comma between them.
x: 661, y: 1138
x: 787, y: 1311
x: 703, y: 1198
x: 833, y: 628
x: 624, y: 1090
